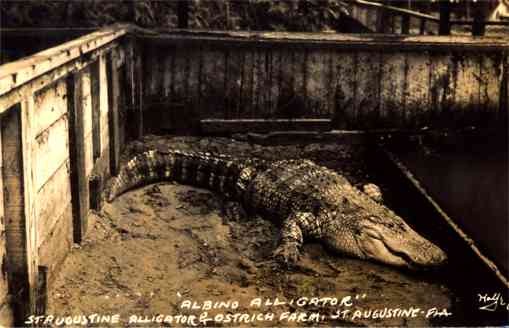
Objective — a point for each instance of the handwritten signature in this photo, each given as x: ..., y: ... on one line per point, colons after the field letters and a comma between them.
x: 492, y: 302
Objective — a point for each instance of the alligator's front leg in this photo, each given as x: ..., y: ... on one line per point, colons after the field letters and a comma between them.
x: 292, y: 237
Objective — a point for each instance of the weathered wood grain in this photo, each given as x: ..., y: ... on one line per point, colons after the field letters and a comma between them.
x: 346, y: 88
x: 417, y: 89
x: 392, y: 89
x: 51, y: 144
x: 57, y: 243
x: 52, y: 200
x: 49, y: 105
x: 20, y: 72
x: 103, y: 103
x: 19, y: 256
x: 360, y: 82
x: 29, y: 88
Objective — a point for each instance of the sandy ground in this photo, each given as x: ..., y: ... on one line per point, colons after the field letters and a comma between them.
x: 155, y: 247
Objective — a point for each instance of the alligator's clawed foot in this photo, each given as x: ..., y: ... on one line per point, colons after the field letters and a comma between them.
x: 373, y: 191
x: 287, y: 253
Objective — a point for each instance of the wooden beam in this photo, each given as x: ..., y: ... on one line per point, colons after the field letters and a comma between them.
x: 27, y: 134
x: 479, y: 15
x: 22, y: 92
x: 339, y: 41
x: 15, y: 207
x: 79, y: 184
x: 132, y: 89
x: 405, y: 24
x: 138, y: 73
x: 422, y: 27
x: 17, y: 73
x: 42, y: 291
x: 113, y: 112
x: 95, y: 188
x: 183, y: 13
x: 444, y: 27
x: 96, y: 109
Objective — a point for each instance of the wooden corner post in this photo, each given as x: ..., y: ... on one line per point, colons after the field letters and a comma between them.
x: 79, y: 191
x: 18, y: 208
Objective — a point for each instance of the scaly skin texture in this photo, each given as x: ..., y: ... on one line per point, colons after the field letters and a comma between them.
x: 307, y: 200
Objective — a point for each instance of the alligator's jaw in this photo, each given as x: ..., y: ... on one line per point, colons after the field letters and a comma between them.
x: 401, y: 247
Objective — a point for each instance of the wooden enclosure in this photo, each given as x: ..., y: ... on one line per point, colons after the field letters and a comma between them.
x: 67, y: 112
x: 60, y: 112
x: 358, y: 81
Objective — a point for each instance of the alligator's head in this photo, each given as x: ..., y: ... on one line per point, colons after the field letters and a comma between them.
x: 384, y: 237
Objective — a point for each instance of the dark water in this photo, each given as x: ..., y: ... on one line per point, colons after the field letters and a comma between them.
x: 470, y: 182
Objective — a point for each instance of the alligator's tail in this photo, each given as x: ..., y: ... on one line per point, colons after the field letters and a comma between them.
x: 215, y: 172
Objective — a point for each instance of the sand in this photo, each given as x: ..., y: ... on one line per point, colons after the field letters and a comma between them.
x: 158, y: 249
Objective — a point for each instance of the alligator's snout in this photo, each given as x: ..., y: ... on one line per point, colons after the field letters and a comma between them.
x: 394, y: 242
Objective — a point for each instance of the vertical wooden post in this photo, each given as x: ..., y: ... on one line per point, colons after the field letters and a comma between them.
x: 27, y: 123
x: 444, y: 27
x: 113, y: 118
x: 227, y: 14
x: 15, y: 222
x: 96, y: 109
x: 478, y: 25
x: 422, y: 27
x: 79, y: 184
x: 381, y: 20
x: 183, y: 13
x: 138, y: 95
x: 128, y: 88
x: 95, y: 187
x: 42, y: 291
x: 405, y: 24
x: 504, y: 92
x: 20, y: 226
x: 132, y: 90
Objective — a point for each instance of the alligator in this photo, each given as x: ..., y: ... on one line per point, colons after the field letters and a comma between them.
x: 306, y: 200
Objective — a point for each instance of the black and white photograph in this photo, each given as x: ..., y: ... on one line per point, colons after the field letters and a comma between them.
x: 254, y: 163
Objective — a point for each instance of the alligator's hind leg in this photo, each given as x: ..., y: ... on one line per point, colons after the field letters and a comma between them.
x: 292, y: 238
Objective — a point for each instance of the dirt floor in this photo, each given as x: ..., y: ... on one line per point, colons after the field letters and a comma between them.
x: 155, y: 248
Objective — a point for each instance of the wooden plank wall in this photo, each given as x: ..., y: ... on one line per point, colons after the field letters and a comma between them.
x: 52, y: 177
x: 43, y: 105
x: 367, y: 87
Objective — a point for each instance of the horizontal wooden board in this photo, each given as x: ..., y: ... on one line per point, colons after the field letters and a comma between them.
x: 57, y: 244
x: 52, y: 200
x: 50, y: 150
x: 50, y: 104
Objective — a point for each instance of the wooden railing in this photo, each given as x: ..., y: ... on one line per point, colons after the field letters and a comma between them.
x: 390, y: 19
x: 61, y: 112
x: 383, y: 18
